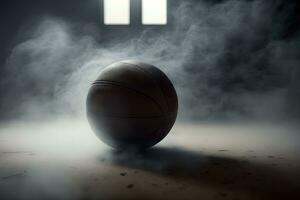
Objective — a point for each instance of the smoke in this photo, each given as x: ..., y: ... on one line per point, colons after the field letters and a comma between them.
x: 160, y: 159
x: 228, y: 60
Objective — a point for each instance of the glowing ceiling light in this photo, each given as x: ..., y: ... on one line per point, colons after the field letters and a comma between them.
x: 154, y: 12
x: 117, y: 12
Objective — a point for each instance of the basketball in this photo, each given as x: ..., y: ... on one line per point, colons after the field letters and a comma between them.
x: 132, y: 105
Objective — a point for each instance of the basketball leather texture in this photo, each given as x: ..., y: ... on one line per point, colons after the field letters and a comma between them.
x: 132, y: 105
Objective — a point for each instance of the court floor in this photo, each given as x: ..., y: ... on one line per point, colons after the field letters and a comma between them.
x: 63, y: 159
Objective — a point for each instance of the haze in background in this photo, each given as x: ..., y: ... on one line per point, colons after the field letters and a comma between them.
x: 227, y: 59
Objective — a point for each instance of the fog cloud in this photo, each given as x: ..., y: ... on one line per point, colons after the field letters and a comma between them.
x: 228, y: 60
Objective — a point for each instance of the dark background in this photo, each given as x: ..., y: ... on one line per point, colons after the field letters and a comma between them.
x: 227, y: 59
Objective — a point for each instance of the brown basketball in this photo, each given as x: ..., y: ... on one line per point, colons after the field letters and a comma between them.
x: 132, y: 105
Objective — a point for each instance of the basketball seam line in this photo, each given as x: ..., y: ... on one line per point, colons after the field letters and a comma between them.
x: 137, y: 117
x: 151, y: 76
x: 104, y: 82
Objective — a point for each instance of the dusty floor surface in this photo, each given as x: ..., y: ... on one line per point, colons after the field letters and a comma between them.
x: 64, y: 160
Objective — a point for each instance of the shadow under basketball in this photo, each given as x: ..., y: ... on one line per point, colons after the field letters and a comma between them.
x: 260, y: 180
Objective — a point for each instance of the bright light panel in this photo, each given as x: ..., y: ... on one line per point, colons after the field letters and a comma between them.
x: 116, y: 12
x: 154, y: 12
